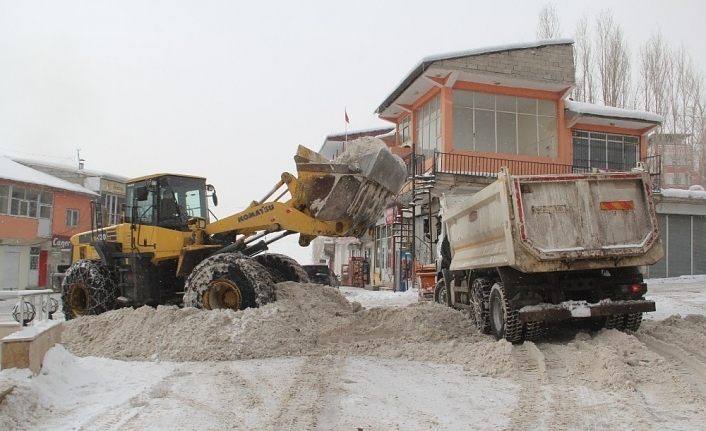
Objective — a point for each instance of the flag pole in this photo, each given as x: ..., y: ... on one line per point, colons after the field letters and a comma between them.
x: 345, y: 117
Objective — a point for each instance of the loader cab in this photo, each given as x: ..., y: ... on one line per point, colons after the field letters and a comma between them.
x: 166, y: 200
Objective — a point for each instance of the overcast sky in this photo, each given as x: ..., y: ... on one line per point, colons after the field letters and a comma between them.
x: 227, y: 89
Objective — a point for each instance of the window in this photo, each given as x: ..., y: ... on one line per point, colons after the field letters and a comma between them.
x: 504, y: 124
x: 46, y: 200
x: 404, y: 131
x: 24, y: 202
x: 4, y: 198
x: 34, y: 258
x: 112, y: 205
x: 605, y: 151
x: 428, y: 127
x: 71, y: 217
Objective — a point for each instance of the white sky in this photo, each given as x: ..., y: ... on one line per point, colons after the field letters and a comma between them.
x: 228, y: 89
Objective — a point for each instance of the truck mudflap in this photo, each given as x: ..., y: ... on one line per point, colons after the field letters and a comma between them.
x: 581, y: 309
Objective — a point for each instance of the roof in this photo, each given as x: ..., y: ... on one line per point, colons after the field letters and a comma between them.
x: 163, y: 174
x: 599, y: 115
x: 590, y: 109
x: 424, y: 64
x: 335, y: 144
x: 67, y: 168
x: 13, y: 171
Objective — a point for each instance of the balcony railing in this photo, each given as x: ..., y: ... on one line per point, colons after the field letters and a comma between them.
x: 488, y: 167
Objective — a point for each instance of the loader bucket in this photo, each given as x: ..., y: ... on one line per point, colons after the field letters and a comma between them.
x: 357, y: 186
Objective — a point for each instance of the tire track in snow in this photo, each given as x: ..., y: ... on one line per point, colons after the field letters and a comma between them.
x: 530, y: 369
x: 309, y: 394
x: 689, y: 363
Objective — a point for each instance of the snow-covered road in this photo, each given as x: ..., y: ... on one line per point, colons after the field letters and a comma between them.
x: 655, y: 379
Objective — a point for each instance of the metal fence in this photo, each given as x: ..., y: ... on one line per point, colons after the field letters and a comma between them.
x: 488, y: 167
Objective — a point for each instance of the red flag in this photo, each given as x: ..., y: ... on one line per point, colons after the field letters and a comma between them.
x: 345, y: 111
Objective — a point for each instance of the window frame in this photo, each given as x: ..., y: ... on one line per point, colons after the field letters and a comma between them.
x: 514, y: 110
x: 71, y: 214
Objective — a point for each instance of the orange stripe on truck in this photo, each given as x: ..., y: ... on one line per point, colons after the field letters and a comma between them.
x: 617, y: 205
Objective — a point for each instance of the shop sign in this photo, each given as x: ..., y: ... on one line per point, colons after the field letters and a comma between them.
x: 61, y: 242
x: 113, y: 187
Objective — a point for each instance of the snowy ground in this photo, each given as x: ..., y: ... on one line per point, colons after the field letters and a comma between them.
x: 655, y: 379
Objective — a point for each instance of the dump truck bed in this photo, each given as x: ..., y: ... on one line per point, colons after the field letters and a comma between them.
x: 555, y: 222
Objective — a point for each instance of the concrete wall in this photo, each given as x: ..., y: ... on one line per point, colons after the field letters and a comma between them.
x: 550, y: 63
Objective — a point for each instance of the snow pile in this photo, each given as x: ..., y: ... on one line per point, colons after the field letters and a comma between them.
x: 306, y: 319
x: 358, y: 148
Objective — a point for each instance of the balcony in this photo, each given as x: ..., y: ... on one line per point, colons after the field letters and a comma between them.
x: 485, y: 168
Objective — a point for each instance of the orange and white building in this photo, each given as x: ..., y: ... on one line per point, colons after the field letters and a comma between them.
x: 467, y: 114
x: 38, y: 213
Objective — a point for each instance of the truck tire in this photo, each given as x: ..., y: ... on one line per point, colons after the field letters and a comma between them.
x: 228, y: 280
x: 615, y: 321
x: 480, y: 303
x: 88, y: 288
x: 534, y: 331
x: 504, y: 320
x: 282, y: 268
x: 624, y: 322
x: 440, y: 292
x: 633, y: 321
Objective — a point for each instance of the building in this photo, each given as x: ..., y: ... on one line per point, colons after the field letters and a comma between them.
x: 111, y: 187
x: 38, y: 214
x: 678, y: 160
x: 467, y: 114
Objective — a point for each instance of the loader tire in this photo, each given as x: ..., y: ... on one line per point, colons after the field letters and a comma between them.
x: 480, y: 303
x: 228, y: 280
x: 282, y: 268
x: 89, y: 288
x: 504, y: 320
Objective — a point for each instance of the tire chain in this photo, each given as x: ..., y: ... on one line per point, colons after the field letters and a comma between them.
x: 480, y: 292
x: 282, y: 268
x: 513, y: 326
x: 220, y: 265
x: 100, y: 282
x: 633, y: 321
x: 534, y: 330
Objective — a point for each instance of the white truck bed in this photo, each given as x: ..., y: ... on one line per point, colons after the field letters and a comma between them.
x: 555, y: 223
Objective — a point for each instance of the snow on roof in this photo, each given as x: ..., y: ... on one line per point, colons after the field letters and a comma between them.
x: 13, y: 171
x: 496, y: 48
x: 683, y: 194
x: 67, y: 168
x: 427, y: 61
x: 611, y: 112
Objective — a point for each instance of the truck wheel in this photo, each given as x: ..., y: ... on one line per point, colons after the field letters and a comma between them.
x: 534, y: 331
x: 228, y: 280
x: 480, y: 298
x: 440, y: 292
x: 504, y: 321
x: 88, y: 289
x: 632, y: 321
x: 615, y: 321
x: 282, y: 268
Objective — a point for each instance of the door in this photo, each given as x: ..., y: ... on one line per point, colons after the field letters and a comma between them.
x: 10, y: 274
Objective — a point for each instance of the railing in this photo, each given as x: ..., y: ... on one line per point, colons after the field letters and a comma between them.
x: 40, y: 304
x: 488, y: 167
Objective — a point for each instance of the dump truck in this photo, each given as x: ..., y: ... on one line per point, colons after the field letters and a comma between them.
x: 168, y: 251
x: 527, y: 251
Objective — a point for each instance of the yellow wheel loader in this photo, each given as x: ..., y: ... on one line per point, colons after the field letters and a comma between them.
x: 167, y: 251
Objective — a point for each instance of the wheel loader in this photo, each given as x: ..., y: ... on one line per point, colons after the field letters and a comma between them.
x: 168, y: 251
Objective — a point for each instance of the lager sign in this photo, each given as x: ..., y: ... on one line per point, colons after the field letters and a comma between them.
x: 61, y: 242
